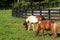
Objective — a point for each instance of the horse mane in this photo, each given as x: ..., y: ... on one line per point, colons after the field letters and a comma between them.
x: 43, y: 18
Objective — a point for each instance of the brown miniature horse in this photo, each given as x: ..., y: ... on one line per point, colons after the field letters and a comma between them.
x: 46, y: 25
x: 31, y: 20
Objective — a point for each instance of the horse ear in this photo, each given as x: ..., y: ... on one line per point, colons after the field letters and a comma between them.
x: 43, y: 18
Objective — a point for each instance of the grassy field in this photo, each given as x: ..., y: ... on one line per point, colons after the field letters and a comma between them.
x: 11, y: 28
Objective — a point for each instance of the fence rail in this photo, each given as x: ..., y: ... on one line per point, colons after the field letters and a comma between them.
x: 27, y: 11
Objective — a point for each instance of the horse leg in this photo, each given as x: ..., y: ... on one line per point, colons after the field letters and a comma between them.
x: 28, y: 26
x: 42, y: 34
x: 54, y: 30
x: 37, y: 30
x: 33, y: 27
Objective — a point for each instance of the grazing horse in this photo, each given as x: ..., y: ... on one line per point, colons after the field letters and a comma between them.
x: 46, y: 25
x: 31, y: 20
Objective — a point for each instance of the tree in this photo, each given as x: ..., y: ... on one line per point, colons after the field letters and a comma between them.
x: 6, y: 3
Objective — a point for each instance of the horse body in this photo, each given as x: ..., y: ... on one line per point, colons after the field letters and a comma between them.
x: 31, y: 20
x: 46, y: 25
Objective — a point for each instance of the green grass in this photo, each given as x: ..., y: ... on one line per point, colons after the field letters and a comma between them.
x: 11, y: 28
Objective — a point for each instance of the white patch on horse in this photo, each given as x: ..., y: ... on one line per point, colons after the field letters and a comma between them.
x: 32, y: 19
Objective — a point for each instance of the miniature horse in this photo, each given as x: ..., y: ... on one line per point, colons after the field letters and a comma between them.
x: 46, y: 25
x: 31, y: 20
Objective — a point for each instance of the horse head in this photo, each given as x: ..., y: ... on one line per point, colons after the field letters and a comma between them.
x: 25, y: 25
x: 40, y: 18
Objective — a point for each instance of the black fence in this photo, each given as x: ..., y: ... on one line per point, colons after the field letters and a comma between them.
x: 26, y: 11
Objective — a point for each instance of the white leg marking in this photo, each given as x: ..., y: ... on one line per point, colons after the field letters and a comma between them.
x: 33, y: 26
x: 28, y: 26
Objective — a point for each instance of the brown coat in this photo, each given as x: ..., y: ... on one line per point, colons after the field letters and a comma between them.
x: 46, y: 25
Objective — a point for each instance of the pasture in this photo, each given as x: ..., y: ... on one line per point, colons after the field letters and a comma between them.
x: 11, y: 28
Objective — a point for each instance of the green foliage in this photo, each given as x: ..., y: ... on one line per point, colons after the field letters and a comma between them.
x: 22, y: 3
x: 16, y: 5
x: 5, y: 3
x: 35, y: 3
x: 10, y: 3
x: 58, y: 0
x: 27, y: 3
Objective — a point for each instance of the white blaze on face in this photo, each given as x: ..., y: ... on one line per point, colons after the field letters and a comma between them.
x: 32, y: 19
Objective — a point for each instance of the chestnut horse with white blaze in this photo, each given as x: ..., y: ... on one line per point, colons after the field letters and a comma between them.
x: 31, y: 20
x: 46, y: 25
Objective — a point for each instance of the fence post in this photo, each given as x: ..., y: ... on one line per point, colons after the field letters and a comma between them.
x: 40, y: 11
x: 13, y: 12
x: 59, y: 14
x: 49, y: 14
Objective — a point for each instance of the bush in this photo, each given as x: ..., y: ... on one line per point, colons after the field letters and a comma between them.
x: 16, y: 5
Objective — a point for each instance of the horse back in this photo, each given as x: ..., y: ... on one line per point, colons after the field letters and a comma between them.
x: 49, y: 24
x: 46, y: 24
